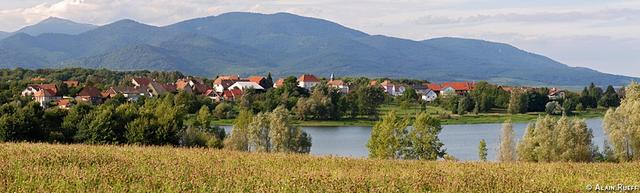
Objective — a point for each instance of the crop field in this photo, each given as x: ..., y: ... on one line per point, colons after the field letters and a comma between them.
x: 28, y: 167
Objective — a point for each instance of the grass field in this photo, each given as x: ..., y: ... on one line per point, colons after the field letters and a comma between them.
x: 494, y: 117
x: 81, y: 168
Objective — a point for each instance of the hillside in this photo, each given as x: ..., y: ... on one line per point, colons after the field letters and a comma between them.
x: 84, y: 168
x: 287, y: 44
x: 56, y: 25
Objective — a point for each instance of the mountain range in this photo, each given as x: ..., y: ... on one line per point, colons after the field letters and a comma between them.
x: 284, y: 44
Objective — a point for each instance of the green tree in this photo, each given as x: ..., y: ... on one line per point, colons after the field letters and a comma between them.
x: 239, y: 139
x: 424, y: 143
x: 259, y: 139
x: 610, y: 98
x: 506, y: 151
x: 518, y: 103
x: 386, y: 137
x: 622, y: 125
x: 482, y: 150
x: 550, y: 140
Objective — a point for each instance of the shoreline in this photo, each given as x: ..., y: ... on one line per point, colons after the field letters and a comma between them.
x: 457, y: 120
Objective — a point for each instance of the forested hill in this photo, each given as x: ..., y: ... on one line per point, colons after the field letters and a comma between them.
x: 287, y: 44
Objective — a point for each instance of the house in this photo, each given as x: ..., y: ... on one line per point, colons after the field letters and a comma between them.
x: 184, y: 85
x: 425, y: 93
x: 44, y: 97
x: 392, y: 89
x: 222, y: 83
x: 192, y: 85
x: 459, y: 88
x: 307, y: 81
x: 141, y: 82
x: 42, y: 93
x: 157, y: 89
x: 32, y: 89
x: 278, y: 83
x: 434, y: 87
x: 245, y: 85
x: 90, y: 95
x: 213, y: 95
x: 131, y: 93
x: 261, y: 80
x: 231, y: 95
x: 71, y: 83
x: 338, y: 84
x: 429, y: 96
x: 556, y: 94
x: 64, y: 103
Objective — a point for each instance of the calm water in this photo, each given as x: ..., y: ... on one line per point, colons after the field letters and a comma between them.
x: 460, y: 141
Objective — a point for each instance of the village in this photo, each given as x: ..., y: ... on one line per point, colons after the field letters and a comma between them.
x: 230, y: 87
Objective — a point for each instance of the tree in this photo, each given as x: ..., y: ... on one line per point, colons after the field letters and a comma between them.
x: 550, y: 140
x: 273, y: 132
x: 259, y: 139
x: 239, y: 139
x: 223, y: 111
x: 506, y: 151
x: 285, y: 137
x: 553, y: 108
x: 610, y: 98
x: 482, y: 150
x: 622, y: 125
x: 141, y: 130
x: 423, y: 139
x: 518, y: 103
x: 386, y: 137
x: 568, y: 106
x: 464, y: 104
x: 269, y: 81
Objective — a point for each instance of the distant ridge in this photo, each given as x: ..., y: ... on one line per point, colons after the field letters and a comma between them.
x: 286, y: 44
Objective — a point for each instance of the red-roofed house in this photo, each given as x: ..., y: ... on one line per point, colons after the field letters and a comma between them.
x: 262, y: 81
x: 434, y: 87
x: 459, y: 88
x: 392, y: 88
x: 141, y: 82
x: 42, y: 93
x: 222, y: 83
x: 340, y: 85
x: 307, y: 81
x: 278, y: 83
x: 89, y: 94
x: 64, y: 103
x: 44, y: 97
x: 231, y: 95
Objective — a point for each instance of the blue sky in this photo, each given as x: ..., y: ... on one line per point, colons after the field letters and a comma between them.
x: 603, y: 35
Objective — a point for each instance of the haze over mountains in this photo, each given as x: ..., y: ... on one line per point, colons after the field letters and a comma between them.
x: 284, y: 44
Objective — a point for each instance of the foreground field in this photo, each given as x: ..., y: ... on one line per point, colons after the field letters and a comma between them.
x: 81, y: 168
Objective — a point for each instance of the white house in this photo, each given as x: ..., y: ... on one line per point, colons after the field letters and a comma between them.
x: 429, y: 96
x: 245, y: 85
x: 307, y: 81
x: 392, y: 89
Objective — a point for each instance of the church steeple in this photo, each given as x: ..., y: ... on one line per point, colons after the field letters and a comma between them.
x: 332, y: 78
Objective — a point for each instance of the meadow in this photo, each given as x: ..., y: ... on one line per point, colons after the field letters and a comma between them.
x: 26, y: 167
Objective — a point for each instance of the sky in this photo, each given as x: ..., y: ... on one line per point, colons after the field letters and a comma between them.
x: 600, y: 34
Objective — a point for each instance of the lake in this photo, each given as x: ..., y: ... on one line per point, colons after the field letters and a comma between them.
x: 460, y: 141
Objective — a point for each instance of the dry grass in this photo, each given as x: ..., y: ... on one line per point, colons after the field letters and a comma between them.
x: 81, y: 168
